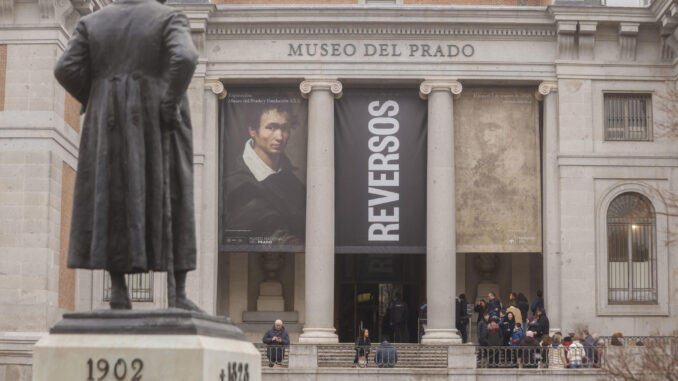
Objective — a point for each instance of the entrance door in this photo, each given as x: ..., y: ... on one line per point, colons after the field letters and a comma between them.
x: 366, y: 287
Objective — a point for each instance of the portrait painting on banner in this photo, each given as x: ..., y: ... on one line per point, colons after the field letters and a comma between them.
x: 263, y: 170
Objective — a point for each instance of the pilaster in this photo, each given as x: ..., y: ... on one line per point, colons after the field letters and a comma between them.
x: 548, y: 91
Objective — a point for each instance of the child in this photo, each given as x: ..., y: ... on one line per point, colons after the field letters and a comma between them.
x: 518, y: 334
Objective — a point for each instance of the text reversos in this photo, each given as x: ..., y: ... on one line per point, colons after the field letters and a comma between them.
x: 383, y: 176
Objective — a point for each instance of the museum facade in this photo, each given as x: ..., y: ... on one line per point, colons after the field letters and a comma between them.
x: 418, y: 150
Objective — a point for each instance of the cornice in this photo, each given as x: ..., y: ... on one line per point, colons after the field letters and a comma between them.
x: 602, y: 14
x: 412, y: 30
x: 329, y: 14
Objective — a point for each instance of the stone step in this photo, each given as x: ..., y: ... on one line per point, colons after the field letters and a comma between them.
x: 342, y: 355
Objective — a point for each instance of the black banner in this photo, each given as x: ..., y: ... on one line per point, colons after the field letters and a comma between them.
x: 263, y: 170
x: 380, y: 163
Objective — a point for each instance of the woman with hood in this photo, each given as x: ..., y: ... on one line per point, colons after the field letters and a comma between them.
x: 508, y: 324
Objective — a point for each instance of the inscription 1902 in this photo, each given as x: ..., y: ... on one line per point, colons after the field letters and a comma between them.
x: 118, y: 370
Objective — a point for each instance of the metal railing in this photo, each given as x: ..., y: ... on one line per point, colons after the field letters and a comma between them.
x: 436, y: 356
x: 274, y: 355
x: 140, y: 287
x: 539, y: 357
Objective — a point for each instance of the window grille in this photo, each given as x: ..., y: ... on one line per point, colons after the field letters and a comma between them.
x: 140, y: 286
x: 628, y: 116
x: 631, y: 260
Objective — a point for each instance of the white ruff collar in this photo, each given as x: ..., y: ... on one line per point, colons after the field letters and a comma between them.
x: 259, y: 169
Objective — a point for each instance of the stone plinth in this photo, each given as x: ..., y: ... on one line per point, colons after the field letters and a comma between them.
x: 168, y: 345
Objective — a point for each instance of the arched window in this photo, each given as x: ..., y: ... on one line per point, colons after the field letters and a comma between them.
x: 631, y: 253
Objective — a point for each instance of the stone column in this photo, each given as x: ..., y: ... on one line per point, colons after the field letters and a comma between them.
x: 319, y: 325
x: 441, y: 249
x: 551, y: 204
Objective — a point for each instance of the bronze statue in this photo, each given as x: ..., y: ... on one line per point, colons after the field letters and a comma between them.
x: 129, y: 65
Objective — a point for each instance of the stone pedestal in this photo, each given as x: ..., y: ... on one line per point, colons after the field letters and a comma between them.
x: 167, y: 345
x: 270, y: 296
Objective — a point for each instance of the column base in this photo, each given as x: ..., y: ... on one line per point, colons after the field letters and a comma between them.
x: 318, y: 336
x: 441, y: 336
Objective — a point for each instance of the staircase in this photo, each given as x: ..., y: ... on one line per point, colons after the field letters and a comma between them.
x: 342, y: 355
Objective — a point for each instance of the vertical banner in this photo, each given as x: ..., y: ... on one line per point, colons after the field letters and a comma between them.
x: 380, y: 167
x: 263, y: 170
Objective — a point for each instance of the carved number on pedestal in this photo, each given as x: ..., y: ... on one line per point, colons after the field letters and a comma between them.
x: 119, y: 369
x: 236, y: 372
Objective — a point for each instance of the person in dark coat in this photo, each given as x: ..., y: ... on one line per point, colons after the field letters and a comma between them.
x: 543, y: 325
x: 129, y: 65
x: 263, y: 196
x: 399, y: 313
x: 386, y: 355
x: 482, y: 329
x: 508, y: 325
x: 537, y: 303
x: 276, y: 338
x: 362, y: 346
x: 461, y: 317
x: 528, y: 349
x: 493, y: 305
x: 523, y: 306
x: 480, y: 309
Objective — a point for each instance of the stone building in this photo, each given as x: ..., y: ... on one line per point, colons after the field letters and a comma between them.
x: 546, y: 140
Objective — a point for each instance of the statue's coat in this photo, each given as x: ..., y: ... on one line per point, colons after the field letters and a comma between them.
x: 129, y: 65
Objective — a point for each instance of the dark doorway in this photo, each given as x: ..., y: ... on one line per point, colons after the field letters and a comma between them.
x: 366, y: 286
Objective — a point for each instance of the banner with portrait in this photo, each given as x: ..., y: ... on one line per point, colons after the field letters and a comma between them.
x: 380, y: 164
x: 263, y: 170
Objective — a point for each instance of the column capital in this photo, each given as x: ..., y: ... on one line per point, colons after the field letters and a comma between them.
x: 330, y: 84
x: 450, y: 85
x: 216, y: 86
x: 545, y: 88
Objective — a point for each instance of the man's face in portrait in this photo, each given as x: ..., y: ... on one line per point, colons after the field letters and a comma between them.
x: 270, y: 138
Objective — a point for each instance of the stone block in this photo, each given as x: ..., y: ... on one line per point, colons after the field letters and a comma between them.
x: 461, y: 356
x: 269, y: 317
x: 303, y: 356
x: 168, y: 345
x: 270, y: 288
x: 270, y: 303
x: 152, y: 357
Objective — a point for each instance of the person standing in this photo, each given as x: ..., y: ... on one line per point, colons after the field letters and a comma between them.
x: 493, y: 305
x: 515, y: 310
x: 508, y: 325
x: 399, y: 319
x: 523, y: 306
x: 537, y: 303
x: 462, y: 318
x: 543, y: 325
